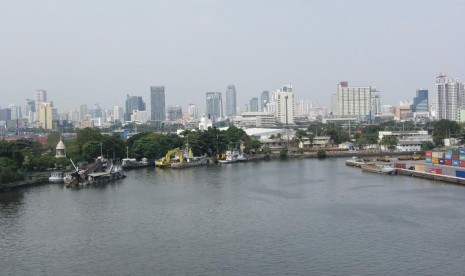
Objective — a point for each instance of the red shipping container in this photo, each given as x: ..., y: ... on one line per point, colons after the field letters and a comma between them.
x: 448, y: 162
x: 435, y: 171
x: 400, y: 165
x: 462, y: 164
x: 428, y: 153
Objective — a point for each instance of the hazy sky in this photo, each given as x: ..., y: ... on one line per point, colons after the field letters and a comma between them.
x: 95, y: 51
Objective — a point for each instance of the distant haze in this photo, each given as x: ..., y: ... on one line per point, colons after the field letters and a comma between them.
x: 87, y: 52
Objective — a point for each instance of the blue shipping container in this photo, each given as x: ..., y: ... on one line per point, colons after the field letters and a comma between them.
x: 448, y: 155
x: 428, y: 160
x: 462, y: 151
x: 460, y: 174
x: 455, y: 163
x: 441, y: 161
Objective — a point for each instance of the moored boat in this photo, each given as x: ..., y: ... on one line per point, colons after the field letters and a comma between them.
x: 378, y: 168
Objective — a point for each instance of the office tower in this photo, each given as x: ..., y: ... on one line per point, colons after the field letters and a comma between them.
x: 5, y: 114
x: 193, y: 111
x: 449, y: 98
x: 73, y: 116
x: 302, y: 108
x: 420, y: 102
x: 41, y: 96
x: 284, y: 103
x: 354, y: 101
x: 95, y: 111
x: 214, y: 104
x: 118, y: 114
x: 157, y: 103
x: 174, y: 113
x: 254, y: 105
x: 231, y: 101
x: 83, y: 112
x: 133, y: 103
x: 334, y: 105
x: 15, y: 112
x: 29, y: 109
x: 375, y: 102
x: 264, y: 100
x: 45, y: 114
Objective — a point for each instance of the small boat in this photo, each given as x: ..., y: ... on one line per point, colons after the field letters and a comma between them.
x: 190, y: 162
x: 242, y: 158
x: 59, y: 177
x: 131, y: 163
x: 379, y: 168
x: 355, y: 162
x: 231, y: 157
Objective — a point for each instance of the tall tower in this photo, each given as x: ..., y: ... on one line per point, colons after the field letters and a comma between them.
x: 157, y: 103
x: 41, y: 96
x: 354, y: 101
x: 420, y: 102
x: 264, y: 100
x: 284, y: 102
x: 449, y: 98
x: 230, y: 101
x: 45, y: 115
x: 214, y: 104
x: 133, y: 103
x: 254, y: 104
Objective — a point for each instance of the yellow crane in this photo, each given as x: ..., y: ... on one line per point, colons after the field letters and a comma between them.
x: 166, y: 161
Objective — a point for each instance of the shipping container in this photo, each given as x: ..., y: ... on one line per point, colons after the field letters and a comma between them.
x: 438, y: 154
x: 455, y: 156
x: 462, y: 151
x: 448, y: 162
x: 435, y: 171
x: 400, y: 165
x: 428, y: 153
x: 448, y: 155
x: 456, y: 163
x: 420, y: 168
x: 441, y: 161
x: 462, y: 164
x: 460, y: 174
x: 462, y: 157
x: 428, y: 160
x: 435, y: 160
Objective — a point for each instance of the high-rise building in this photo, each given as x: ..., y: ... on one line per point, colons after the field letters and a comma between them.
x: 45, y: 115
x: 5, y: 114
x: 264, y: 100
x: 174, y: 113
x: 302, y: 108
x: 73, y: 116
x: 157, y: 103
x: 449, y: 98
x: 41, y: 96
x: 133, y: 103
x: 193, y: 111
x: 214, y: 105
x: 83, y: 112
x: 29, y: 109
x: 15, y: 112
x: 284, y: 100
x: 231, y: 101
x: 118, y: 114
x: 254, y: 104
x: 354, y: 101
x: 420, y: 102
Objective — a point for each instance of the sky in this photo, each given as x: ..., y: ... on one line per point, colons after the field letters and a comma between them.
x: 87, y: 51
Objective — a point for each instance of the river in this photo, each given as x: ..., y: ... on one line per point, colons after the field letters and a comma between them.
x: 296, y: 217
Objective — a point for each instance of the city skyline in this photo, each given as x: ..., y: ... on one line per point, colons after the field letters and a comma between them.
x: 86, y: 52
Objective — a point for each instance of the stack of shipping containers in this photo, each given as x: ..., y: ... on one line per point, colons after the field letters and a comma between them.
x: 446, y: 162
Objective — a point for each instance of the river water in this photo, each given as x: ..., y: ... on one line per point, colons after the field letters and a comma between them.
x: 299, y: 217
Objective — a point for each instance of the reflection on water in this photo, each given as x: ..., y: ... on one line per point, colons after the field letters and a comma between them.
x: 296, y: 217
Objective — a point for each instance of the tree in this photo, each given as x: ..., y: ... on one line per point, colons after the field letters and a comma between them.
x: 52, y: 140
x: 427, y: 145
x: 87, y: 135
x: 321, y: 154
x: 445, y: 129
x: 389, y: 141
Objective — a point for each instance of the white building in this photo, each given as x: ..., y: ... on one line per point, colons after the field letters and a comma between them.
x: 284, y: 100
x: 303, y: 108
x: 118, y: 114
x: 193, y: 111
x: 449, y: 98
x: 139, y: 116
x: 205, y: 123
x: 255, y: 119
x: 354, y: 101
x: 73, y: 116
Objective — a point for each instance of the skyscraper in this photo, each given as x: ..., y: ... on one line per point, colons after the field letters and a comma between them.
x: 449, y: 98
x: 284, y: 102
x: 174, y: 113
x: 118, y: 114
x: 254, y: 104
x: 41, y: 96
x: 230, y: 101
x: 420, y: 102
x: 45, y: 115
x: 157, y: 103
x: 83, y: 111
x: 133, y: 103
x: 193, y: 111
x: 354, y: 101
x: 214, y: 104
x: 264, y: 99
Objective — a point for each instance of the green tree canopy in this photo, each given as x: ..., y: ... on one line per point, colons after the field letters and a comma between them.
x: 445, y: 129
